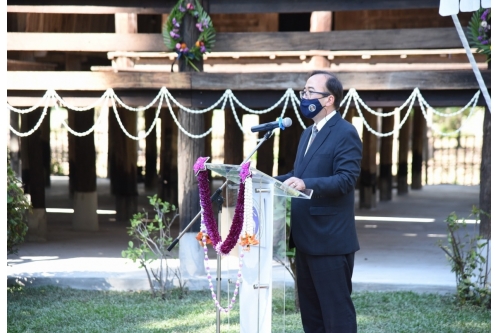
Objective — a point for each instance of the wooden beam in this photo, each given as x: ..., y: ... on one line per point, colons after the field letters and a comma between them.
x: 389, y: 39
x: 216, y: 6
x: 20, y: 65
x: 100, y: 81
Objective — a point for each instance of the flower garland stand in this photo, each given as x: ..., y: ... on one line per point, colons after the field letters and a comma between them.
x: 257, y: 278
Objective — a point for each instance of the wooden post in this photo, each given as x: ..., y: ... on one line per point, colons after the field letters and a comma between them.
x: 417, y: 149
x: 404, y: 146
x: 349, y: 115
x: 189, y: 149
x: 485, y: 178
x: 208, y: 138
x: 233, y: 154
x: 15, y: 144
x: 25, y: 162
x: 123, y: 160
x: 168, y: 178
x: 73, y: 63
x: 368, y: 176
x: 233, y: 138
x: 123, y: 150
x: 320, y: 22
x: 45, y: 140
x: 385, y: 179
x: 37, y: 220
x: 85, y: 187
x: 150, y: 179
x: 265, y: 154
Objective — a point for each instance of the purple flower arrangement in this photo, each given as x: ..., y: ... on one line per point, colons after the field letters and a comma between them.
x: 484, y: 29
x: 222, y: 247
x: 172, y: 35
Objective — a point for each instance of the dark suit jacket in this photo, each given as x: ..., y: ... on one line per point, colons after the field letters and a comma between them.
x: 324, y: 225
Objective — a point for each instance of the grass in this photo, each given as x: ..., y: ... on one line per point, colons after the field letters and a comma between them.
x: 52, y: 309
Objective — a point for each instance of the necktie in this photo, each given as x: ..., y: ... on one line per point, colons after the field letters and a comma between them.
x: 313, y: 135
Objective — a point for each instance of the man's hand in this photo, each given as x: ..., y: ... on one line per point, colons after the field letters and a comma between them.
x: 295, y: 183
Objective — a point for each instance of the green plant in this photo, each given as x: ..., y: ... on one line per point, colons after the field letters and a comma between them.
x: 153, y: 238
x: 479, y: 32
x: 465, y: 254
x: 17, y: 206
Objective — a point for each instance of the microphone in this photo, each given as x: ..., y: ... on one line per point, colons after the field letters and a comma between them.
x: 281, y: 123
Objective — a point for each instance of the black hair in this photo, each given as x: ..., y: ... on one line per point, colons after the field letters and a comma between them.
x: 333, y: 85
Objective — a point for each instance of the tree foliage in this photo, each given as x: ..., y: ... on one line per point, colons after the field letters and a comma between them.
x: 17, y: 206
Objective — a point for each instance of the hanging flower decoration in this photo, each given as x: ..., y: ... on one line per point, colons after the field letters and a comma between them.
x: 242, y: 213
x: 172, y: 32
x: 209, y: 233
x: 479, y: 31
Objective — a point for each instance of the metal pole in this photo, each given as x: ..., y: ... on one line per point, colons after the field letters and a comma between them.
x: 220, y: 200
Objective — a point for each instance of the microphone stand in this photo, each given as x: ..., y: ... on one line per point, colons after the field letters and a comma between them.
x: 217, y: 197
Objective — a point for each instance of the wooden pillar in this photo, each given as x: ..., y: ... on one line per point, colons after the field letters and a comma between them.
x: 168, y: 177
x: 25, y: 162
x: 123, y: 160
x: 45, y: 140
x: 233, y: 138
x: 189, y: 149
x: 265, y: 154
x: 208, y: 138
x: 404, y: 146
x: 485, y: 178
x: 150, y: 179
x: 125, y: 23
x: 349, y: 115
x: 123, y: 150
x: 385, y: 178
x: 73, y: 63
x: 368, y: 176
x: 233, y: 154
x: 85, y: 187
x: 37, y: 220
x: 320, y: 22
x: 288, y: 145
x: 15, y: 144
x: 419, y: 125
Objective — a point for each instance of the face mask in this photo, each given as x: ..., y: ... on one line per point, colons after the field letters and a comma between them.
x: 310, y: 107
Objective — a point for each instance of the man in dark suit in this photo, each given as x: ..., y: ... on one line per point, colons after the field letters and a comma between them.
x: 322, y: 229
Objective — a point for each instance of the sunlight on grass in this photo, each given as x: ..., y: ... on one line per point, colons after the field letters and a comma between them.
x: 52, y: 309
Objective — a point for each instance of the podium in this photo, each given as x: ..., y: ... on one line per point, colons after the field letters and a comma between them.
x: 265, y: 260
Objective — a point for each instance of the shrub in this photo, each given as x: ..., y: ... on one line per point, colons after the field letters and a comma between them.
x: 17, y: 205
x: 153, y: 238
x: 466, y: 256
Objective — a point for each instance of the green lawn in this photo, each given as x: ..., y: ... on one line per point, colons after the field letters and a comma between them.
x: 51, y: 309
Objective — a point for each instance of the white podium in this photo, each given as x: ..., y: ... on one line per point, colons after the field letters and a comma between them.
x: 269, y: 216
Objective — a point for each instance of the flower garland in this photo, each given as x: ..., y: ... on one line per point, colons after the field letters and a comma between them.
x: 173, y: 39
x: 209, y: 277
x: 242, y: 211
x: 247, y: 237
x: 241, y: 225
x: 479, y: 31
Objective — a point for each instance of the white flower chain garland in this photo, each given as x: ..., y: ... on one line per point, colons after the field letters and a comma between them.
x: 203, y: 230
x: 289, y: 96
x: 248, y: 224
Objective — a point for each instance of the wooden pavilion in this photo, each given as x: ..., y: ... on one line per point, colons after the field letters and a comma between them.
x: 383, y: 49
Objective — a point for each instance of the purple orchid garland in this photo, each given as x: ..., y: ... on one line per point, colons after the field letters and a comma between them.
x: 222, y: 247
